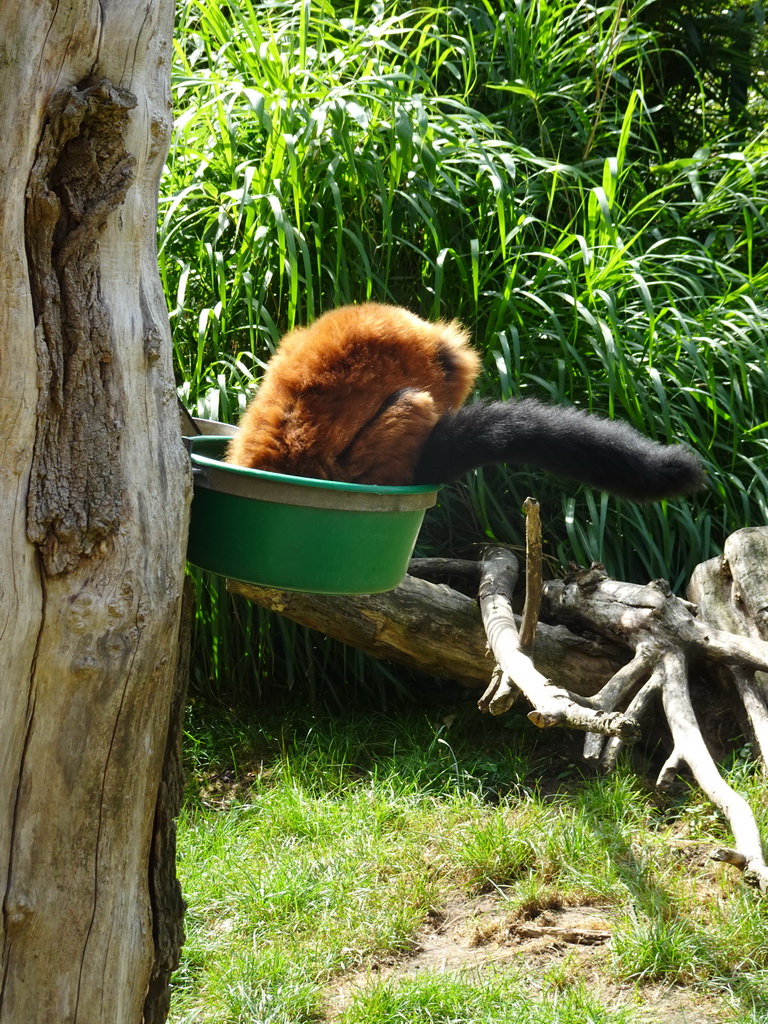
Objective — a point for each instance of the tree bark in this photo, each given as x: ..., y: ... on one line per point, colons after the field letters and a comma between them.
x: 437, y: 630
x: 94, y: 490
x: 732, y: 593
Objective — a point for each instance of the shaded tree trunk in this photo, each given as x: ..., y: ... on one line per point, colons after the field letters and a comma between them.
x: 93, y: 497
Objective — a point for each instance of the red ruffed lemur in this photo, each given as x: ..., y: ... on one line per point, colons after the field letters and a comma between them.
x: 372, y: 394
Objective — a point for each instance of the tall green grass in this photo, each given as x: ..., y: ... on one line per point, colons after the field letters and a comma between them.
x: 496, y: 163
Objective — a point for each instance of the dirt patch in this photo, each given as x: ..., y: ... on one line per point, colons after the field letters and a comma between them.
x: 478, y: 931
x: 552, y: 945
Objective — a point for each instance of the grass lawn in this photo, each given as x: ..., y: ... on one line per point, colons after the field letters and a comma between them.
x: 437, y: 866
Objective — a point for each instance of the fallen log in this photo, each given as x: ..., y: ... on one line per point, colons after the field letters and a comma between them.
x: 436, y: 630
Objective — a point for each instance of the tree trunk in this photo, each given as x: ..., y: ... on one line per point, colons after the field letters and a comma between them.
x: 93, y: 497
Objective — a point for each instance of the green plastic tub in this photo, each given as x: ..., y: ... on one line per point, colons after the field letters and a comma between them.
x: 297, y: 533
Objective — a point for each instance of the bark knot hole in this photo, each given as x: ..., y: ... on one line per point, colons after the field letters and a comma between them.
x: 81, y: 175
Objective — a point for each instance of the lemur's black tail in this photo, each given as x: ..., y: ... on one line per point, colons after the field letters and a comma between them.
x: 606, y: 454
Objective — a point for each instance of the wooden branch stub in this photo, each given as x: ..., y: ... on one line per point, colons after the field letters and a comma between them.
x: 612, y: 694
x: 499, y: 570
x: 533, y: 581
x: 552, y: 705
x: 728, y: 856
x: 636, y: 710
x: 499, y: 691
x: 605, y: 723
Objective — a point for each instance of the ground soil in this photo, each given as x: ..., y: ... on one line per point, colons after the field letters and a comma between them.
x: 551, y: 946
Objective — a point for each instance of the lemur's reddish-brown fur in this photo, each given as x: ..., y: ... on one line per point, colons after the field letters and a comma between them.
x: 354, y: 396
x: 372, y: 394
